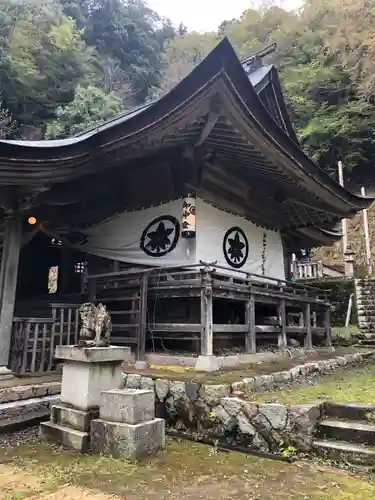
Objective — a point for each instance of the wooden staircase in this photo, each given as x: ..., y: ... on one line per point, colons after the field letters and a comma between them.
x: 347, y: 434
x: 126, y: 302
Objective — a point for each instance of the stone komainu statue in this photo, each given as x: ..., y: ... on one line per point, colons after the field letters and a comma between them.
x: 96, y: 325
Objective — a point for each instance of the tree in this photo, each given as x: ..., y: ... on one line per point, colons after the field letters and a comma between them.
x: 45, y: 59
x: 128, y: 32
x: 90, y: 107
x: 6, y: 123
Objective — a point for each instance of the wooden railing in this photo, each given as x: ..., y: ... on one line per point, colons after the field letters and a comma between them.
x: 308, y: 270
x: 34, y: 339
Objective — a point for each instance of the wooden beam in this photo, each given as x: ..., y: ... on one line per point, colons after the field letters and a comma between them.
x: 307, y: 325
x: 327, y: 326
x: 142, y: 322
x: 8, y: 281
x: 250, y: 339
x: 206, y: 314
x: 282, y: 340
x: 211, y: 121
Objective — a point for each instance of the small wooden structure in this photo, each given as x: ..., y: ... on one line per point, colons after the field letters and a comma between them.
x: 222, y: 137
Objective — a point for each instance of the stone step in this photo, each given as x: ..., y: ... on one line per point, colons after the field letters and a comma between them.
x: 21, y: 392
x: 370, y: 343
x: 68, y: 416
x: 344, y: 451
x: 341, y: 430
x: 365, y: 317
x: 25, y: 410
x: 365, y: 304
x: 72, y: 438
x: 349, y: 411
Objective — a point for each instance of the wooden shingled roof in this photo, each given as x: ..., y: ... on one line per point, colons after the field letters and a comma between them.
x: 231, y: 114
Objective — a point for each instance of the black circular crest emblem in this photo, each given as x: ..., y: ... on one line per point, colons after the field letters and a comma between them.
x: 235, y: 247
x: 160, y: 236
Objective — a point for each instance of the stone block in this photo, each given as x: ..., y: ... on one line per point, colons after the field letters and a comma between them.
x: 130, y: 406
x: 212, y: 394
x: 25, y: 410
x: 133, y: 381
x: 71, y: 438
x: 71, y: 417
x: 207, y: 364
x: 127, y: 441
x: 93, y: 354
x: 82, y: 382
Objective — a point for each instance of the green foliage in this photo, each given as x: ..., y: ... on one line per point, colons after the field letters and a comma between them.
x: 90, y: 107
x: 326, y: 54
x: 51, y: 51
x: 54, y: 54
x: 7, y: 125
x: 339, y: 294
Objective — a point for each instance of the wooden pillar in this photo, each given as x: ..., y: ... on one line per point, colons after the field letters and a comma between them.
x: 250, y: 339
x: 142, y: 324
x: 8, y: 282
x: 327, y: 326
x: 308, y: 338
x: 91, y: 288
x: 65, y: 270
x: 206, y: 314
x: 282, y: 340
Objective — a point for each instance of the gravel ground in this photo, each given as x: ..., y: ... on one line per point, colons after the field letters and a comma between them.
x: 18, y: 437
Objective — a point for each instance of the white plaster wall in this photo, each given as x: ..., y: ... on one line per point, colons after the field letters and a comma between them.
x: 212, y: 224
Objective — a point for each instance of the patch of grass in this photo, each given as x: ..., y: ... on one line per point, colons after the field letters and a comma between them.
x: 354, y: 385
x: 343, y: 332
x: 190, y: 471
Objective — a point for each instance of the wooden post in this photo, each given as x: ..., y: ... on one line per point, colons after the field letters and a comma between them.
x: 344, y: 221
x: 367, y: 236
x: 308, y: 338
x: 65, y: 270
x: 142, y: 324
x: 282, y: 340
x: 250, y: 339
x: 92, y: 290
x: 327, y: 325
x: 206, y: 314
x: 8, y: 280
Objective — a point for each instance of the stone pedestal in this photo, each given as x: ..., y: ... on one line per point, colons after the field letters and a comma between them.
x: 86, y: 373
x: 127, y: 426
x: 207, y: 364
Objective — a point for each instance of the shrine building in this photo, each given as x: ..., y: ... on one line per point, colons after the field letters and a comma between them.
x: 181, y: 216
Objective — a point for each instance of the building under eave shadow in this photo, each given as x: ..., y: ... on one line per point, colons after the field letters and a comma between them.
x: 182, y: 216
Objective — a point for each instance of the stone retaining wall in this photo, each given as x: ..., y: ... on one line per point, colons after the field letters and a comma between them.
x: 217, y: 411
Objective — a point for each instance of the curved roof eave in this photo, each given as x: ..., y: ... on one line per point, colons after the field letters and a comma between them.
x: 239, y: 81
x: 316, y: 232
x: 222, y: 60
x: 268, y: 75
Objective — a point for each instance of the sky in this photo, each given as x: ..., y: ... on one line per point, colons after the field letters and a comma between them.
x: 206, y: 15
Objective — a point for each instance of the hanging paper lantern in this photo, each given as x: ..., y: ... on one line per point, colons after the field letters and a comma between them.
x: 188, y: 217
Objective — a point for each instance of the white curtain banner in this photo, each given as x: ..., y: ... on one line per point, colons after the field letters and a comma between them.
x: 152, y: 237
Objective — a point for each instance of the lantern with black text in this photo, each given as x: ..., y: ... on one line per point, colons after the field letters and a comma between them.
x: 188, y: 217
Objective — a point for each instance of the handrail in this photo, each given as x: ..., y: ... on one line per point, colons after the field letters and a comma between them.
x: 18, y: 319
x: 167, y: 269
